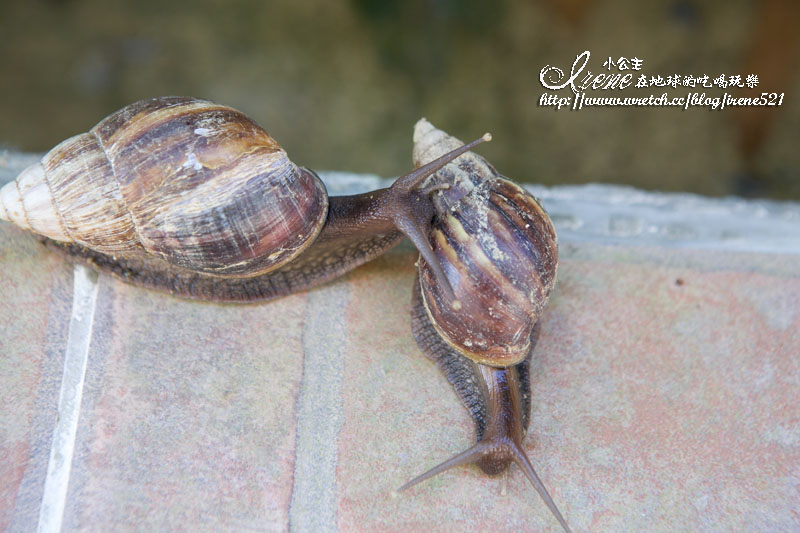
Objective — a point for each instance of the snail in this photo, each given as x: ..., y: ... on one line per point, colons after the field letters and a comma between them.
x: 498, y: 249
x: 194, y: 198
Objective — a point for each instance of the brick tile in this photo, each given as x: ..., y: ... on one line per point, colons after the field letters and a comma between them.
x: 188, y: 413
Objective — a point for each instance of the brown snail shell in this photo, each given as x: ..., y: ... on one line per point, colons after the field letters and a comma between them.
x: 196, y: 183
x: 498, y: 250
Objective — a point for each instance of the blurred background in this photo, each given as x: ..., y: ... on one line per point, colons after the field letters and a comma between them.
x: 340, y: 84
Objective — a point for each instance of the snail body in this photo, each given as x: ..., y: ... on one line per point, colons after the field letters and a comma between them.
x: 194, y: 198
x: 499, y: 252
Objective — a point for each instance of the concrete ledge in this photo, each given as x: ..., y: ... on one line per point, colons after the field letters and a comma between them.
x: 664, y: 387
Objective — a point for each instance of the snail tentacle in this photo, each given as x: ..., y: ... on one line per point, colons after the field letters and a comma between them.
x: 521, y: 458
x: 468, y: 456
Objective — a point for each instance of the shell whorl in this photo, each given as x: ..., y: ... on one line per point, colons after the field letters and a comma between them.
x: 499, y: 252
x: 27, y: 203
x: 195, y: 183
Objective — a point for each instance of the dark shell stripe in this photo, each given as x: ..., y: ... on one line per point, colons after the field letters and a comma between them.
x: 493, y: 277
x: 540, y: 235
x: 509, y: 269
x: 163, y: 138
x: 529, y: 241
x: 534, y: 241
x: 459, y: 263
x: 115, y: 130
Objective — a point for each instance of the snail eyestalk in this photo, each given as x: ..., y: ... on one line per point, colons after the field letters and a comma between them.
x: 524, y: 463
x: 411, y: 209
x: 411, y: 180
x: 468, y: 456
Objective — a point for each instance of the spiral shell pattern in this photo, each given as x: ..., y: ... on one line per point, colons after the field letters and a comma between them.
x: 195, y: 183
x: 499, y: 252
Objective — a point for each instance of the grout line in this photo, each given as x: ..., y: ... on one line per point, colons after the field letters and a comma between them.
x: 318, y: 411
x: 76, y: 357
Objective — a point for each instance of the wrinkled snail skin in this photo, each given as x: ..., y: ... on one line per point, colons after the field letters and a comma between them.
x: 194, y: 198
x: 498, y: 249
